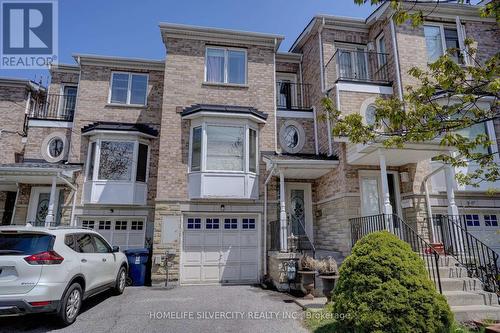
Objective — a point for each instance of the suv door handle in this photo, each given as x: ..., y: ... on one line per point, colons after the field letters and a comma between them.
x: 84, y: 260
x: 103, y: 259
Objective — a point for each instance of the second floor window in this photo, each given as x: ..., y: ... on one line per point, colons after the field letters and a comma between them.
x: 438, y: 39
x: 128, y: 88
x: 226, y: 65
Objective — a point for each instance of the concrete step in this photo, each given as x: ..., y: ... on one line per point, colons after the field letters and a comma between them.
x: 465, y: 298
x: 476, y: 312
x: 461, y: 284
x: 444, y: 261
x: 451, y: 272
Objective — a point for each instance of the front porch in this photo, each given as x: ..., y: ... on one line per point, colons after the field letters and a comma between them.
x: 40, y: 194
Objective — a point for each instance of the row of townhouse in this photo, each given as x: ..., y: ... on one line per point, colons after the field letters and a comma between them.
x: 215, y: 155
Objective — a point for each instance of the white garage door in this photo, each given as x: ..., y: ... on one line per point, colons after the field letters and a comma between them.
x: 127, y: 233
x: 486, y: 228
x: 222, y: 249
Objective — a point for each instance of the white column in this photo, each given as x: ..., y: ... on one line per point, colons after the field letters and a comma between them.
x: 50, y: 212
x: 450, y: 191
x: 385, y: 190
x: 283, y: 227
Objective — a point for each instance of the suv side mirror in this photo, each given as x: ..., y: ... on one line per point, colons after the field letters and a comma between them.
x: 116, y: 249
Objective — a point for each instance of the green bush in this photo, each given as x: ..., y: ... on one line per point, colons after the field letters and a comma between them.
x: 384, y: 287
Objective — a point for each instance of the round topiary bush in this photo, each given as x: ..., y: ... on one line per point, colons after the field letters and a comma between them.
x: 384, y: 287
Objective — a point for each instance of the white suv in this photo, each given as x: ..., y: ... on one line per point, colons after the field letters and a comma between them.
x: 54, y: 269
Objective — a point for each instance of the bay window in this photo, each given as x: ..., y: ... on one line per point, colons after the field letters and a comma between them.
x: 117, y: 170
x: 228, y: 147
x: 225, y: 65
x: 223, y: 159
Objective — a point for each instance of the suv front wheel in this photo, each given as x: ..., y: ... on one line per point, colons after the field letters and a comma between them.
x: 121, y: 280
x: 71, y: 304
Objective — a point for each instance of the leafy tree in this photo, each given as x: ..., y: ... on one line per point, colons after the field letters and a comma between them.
x: 445, y: 104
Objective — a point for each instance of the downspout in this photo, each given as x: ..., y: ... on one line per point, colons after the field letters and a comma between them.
x: 15, y: 205
x: 265, y: 218
x: 396, y: 58
x: 75, y: 190
x: 274, y: 101
x: 301, y: 82
x: 323, y: 90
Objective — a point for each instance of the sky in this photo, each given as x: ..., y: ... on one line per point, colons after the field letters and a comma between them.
x: 129, y: 28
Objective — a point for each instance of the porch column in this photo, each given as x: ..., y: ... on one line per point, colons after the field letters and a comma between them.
x: 450, y: 191
x: 50, y: 212
x: 385, y: 189
x: 283, y: 227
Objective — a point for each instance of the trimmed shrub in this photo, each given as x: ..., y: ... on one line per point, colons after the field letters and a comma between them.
x: 384, y: 287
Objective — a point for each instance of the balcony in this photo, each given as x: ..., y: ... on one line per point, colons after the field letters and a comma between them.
x: 53, y: 107
x: 357, y: 66
x: 292, y: 96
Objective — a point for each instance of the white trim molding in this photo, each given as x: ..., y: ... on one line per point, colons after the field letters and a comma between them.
x: 367, y: 88
x: 49, y: 123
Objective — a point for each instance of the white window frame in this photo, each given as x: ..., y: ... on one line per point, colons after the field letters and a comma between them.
x: 292, y: 77
x: 246, y: 145
x: 441, y: 27
x: 129, y: 88
x: 353, y: 48
x: 226, y: 60
x: 97, y: 158
x: 62, y: 100
x: 379, y: 51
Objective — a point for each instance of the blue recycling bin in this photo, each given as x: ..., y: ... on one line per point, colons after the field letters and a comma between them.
x: 137, y: 259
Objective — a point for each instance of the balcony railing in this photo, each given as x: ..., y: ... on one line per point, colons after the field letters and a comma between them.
x: 292, y: 96
x: 358, y: 66
x: 53, y: 107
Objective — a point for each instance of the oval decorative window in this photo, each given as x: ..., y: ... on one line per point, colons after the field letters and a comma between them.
x: 55, y: 147
x: 292, y: 137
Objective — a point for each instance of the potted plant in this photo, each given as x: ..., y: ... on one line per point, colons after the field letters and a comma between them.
x: 329, y: 273
x: 307, y: 269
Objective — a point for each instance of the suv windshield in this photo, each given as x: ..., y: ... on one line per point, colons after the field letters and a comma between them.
x: 24, y: 243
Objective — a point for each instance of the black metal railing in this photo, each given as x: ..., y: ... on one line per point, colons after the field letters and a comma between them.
x: 362, y: 226
x: 292, y: 96
x: 53, y: 107
x: 358, y: 65
x: 479, y: 259
x: 304, y: 242
x: 274, y: 233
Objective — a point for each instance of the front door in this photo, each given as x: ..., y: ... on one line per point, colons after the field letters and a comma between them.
x: 372, y: 202
x: 39, y: 206
x: 299, y: 208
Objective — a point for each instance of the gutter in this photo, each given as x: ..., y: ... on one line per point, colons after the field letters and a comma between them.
x: 396, y: 58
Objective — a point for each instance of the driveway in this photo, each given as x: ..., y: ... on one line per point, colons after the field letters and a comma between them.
x: 182, y: 309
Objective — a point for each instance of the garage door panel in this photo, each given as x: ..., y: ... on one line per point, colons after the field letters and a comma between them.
x: 211, y: 255
x: 210, y: 273
x: 230, y: 239
x: 212, y: 239
x: 230, y: 273
x: 249, y: 271
x: 192, y: 256
x: 248, y: 254
x: 191, y: 273
x: 193, y: 238
x: 230, y: 255
x: 248, y: 239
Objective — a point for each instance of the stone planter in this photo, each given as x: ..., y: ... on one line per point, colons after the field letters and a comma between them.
x: 328, y: 285
x: 308, y: 282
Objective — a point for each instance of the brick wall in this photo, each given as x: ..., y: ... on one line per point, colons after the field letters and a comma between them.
x: 35, y: 140
x: 12, y: 112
